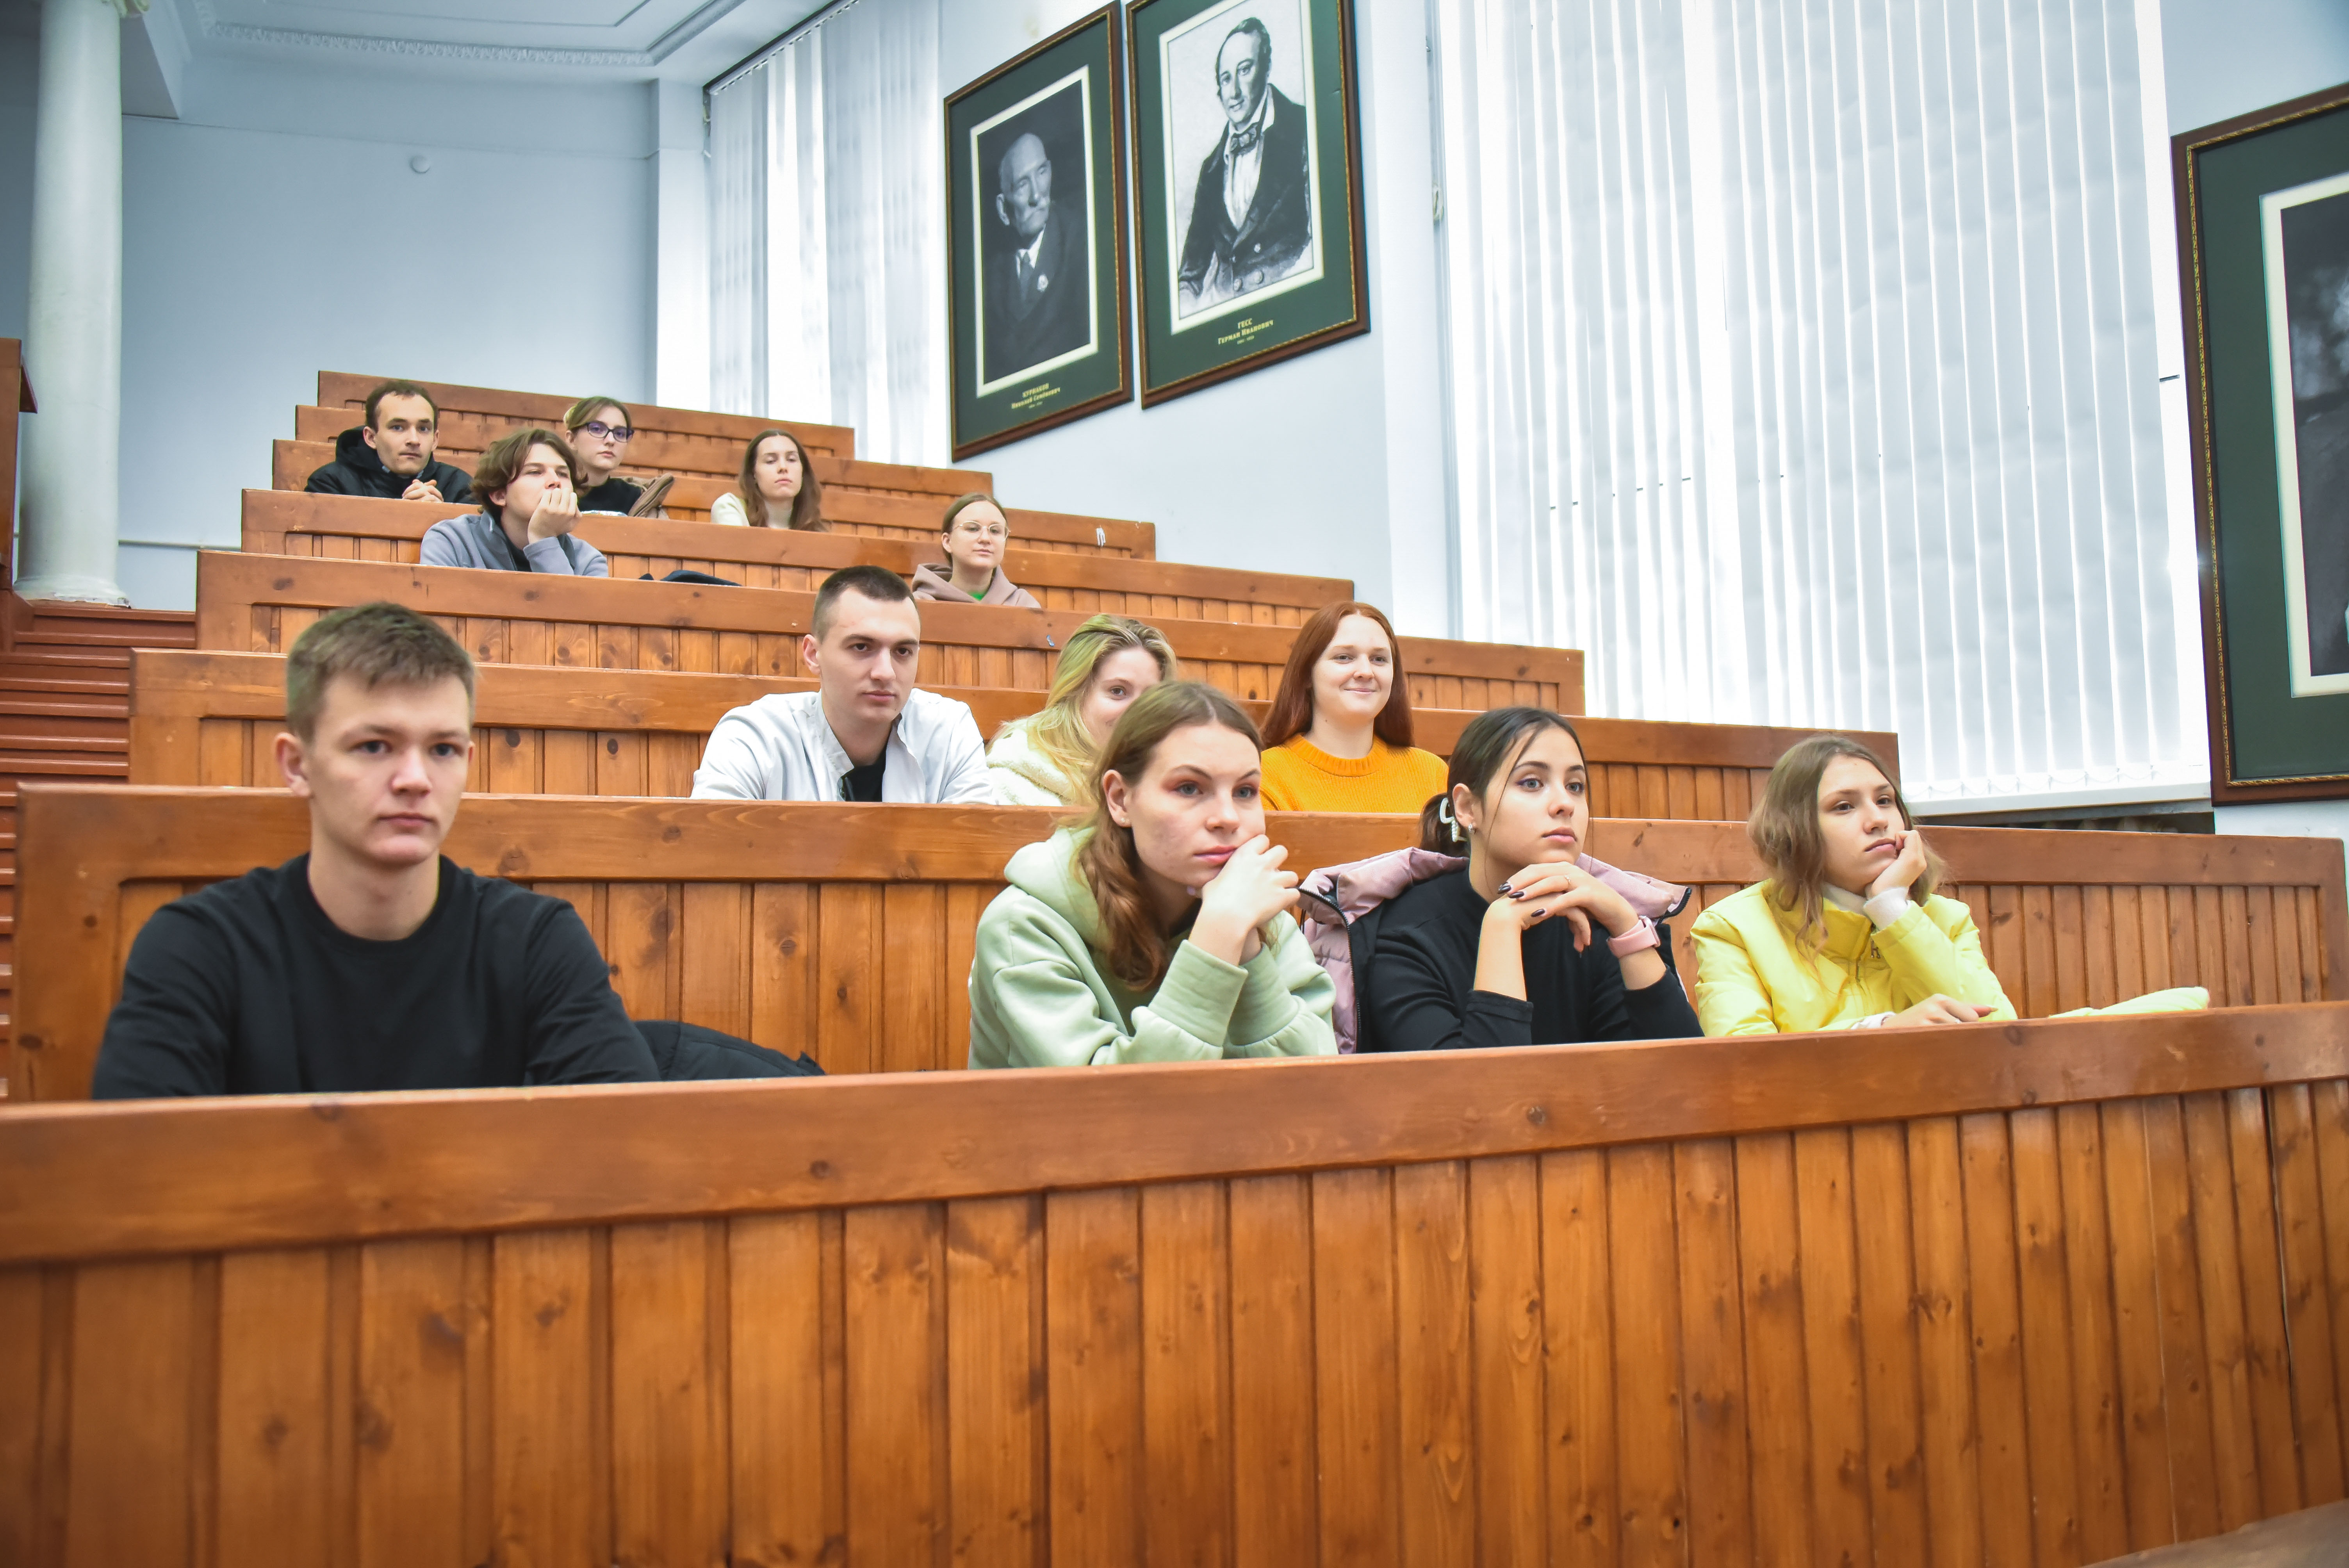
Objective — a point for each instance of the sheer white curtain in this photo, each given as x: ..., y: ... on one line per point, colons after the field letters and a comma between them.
x: 1802, y: 369
x: 828, y: 233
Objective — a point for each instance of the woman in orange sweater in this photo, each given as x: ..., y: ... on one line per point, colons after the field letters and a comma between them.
x: 1338, y: 738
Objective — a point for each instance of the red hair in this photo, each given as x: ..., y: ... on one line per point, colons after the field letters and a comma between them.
x: 1292, y: 706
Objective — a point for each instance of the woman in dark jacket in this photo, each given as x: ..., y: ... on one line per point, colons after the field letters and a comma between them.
x: 1521, y: 947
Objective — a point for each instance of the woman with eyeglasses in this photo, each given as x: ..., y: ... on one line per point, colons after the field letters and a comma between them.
x: 598, y: 429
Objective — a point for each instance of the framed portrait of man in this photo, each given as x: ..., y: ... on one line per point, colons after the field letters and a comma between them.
x: 1036, y: 239
x: 1247, y: 181
x: 2263, y: 232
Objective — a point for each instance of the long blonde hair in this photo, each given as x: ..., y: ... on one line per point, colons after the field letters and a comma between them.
x: 1784, y: 830
x: 1057, y: 728
x: 1129, y: 943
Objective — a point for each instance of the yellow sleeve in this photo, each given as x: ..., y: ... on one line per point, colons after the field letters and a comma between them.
x: 1731, y: 997
x: 1433, y: 771
x: 1929, y: 960
x: 1279, y: 794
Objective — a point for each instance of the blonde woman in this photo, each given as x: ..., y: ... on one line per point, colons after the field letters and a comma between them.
x: 1047, y: 759
x: 776, y: 488
x: 1848, y: 932
x: 1159, y: 929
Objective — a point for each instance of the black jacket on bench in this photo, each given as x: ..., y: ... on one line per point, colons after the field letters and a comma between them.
x: 247, y: 987
x: 358, y: 470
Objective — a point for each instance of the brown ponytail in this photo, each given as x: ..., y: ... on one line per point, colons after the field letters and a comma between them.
x: 1131, y: 944
x: 1488, y: 745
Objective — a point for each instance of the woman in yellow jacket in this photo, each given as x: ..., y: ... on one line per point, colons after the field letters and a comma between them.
x: 1848, y: 933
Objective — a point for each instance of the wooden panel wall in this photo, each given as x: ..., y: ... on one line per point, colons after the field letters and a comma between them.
x: 847, y: 931
x: 262, y: 603
x: 209, y: 718
x: 350, y: 528
x: 2027, y: 1334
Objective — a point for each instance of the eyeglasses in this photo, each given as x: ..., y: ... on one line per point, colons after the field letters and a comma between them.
x: 600, y: 431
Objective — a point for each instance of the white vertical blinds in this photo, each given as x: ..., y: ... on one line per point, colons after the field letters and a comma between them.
x: 827, y: 240
x: 1802, y: 369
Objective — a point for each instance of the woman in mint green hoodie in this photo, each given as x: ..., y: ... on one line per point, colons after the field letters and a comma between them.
x: 1158, y: 930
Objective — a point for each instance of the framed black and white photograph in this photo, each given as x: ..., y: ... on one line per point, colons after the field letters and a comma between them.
x: 1035, y: 210
x: 2264, y: 229
x: 1248, y: 224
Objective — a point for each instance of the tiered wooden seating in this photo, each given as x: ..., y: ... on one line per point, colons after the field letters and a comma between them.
x: 847, y: 930
x: 211, y: 719
x: 2043, y: 1293
x: 261, y: 604
x: 704, y: 450
x: 354, y: 527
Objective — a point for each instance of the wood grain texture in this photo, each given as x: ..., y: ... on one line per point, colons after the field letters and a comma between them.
x: 262, y: 602
x: 1790, y: 1348
x: 98, y: 861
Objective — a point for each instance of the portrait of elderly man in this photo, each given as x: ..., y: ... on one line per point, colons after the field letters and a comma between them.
x: 1252, y: 219
x: 1038, y: 298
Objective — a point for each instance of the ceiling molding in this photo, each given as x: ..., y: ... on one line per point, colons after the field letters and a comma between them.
x: 685, y: 32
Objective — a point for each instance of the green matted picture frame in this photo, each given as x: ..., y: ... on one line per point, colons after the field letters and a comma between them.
x: 2263, y: 241
x: 1037, y: 284
x: 1248, y: 185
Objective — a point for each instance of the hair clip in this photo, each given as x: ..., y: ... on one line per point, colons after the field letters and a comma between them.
x: 1444, y: 815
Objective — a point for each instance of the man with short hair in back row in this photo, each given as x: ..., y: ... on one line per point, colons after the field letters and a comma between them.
x: 866, y: 733
x: 390, y: 456
x: 372, y: 962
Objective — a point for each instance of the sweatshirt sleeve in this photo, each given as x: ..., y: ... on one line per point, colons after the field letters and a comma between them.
x: 962, y: 764
x: 733, y: 764
x: 579, y: 1031
x: 440, y: 546
x: 327, y: 479
x: 1928, y: 960
x: 1614, y: 1011
x: 169, y: 1034
x: 1731, y: 998
x: 545, y: 555
x: 1285, y: 1003
x: 1415, y: 1007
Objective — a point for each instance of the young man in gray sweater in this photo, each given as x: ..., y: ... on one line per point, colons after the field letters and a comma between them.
x: 528, y: 487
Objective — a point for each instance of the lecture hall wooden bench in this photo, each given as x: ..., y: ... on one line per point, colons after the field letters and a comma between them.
x: 204, y: 717
x: 360, y: 528
x: 888, y: 504
x: 2033, y: 1294
x: 260, y: 604
x: 847, y: 931
x: 686, y: 440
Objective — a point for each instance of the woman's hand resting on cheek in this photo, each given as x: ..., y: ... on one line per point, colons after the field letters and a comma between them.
x: 1241, y: 900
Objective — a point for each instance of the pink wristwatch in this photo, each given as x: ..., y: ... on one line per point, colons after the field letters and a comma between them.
x: 1638, y: 939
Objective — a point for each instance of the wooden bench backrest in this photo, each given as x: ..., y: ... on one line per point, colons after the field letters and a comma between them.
x: 356, y: 527
x: 199, y: 717
x: 260, y: 604
x: 684, y: 439
x: 861, y: 498
x: 2044, y: 1293
x: 847, y: 930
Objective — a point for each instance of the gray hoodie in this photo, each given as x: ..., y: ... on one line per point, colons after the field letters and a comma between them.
x: 477, y: 541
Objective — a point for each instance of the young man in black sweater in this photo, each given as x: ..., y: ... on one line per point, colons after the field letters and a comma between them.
x: 372, y: 961
x: 389, y: 455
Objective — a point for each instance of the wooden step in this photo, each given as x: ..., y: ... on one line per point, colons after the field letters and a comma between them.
x: 48, y: 707
x: 85, y: 735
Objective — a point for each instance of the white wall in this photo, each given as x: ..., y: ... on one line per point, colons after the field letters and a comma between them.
x: 276, y: 228
x: 1330, y: 463
x: 2226, y: 57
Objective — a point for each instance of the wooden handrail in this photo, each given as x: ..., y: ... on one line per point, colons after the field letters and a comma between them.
x: 83, y: 1182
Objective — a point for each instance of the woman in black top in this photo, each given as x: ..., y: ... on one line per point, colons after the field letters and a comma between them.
x: 599, y: 432
x: 1522, y: 946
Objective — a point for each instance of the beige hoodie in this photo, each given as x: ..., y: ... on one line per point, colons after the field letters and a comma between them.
x: 936, y: 581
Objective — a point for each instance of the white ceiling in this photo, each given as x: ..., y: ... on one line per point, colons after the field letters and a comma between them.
x: 636, y: 37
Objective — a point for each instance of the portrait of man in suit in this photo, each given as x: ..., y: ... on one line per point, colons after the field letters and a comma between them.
x: 1037, y: 294
x: 2313, y: 427
x: 1252, y: 216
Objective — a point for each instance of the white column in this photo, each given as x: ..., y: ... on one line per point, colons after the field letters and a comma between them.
x: 73, y: 333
